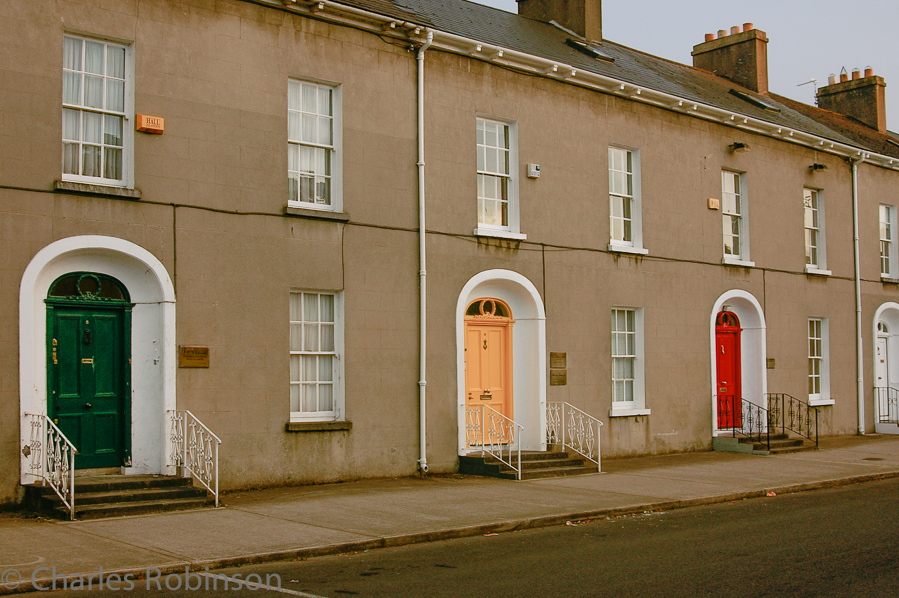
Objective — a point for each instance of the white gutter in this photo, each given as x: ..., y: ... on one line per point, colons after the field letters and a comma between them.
x: 422, y: 255
x: 860, y: 390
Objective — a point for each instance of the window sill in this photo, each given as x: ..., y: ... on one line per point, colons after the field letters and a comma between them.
x: 319, y: 426
x: 616, y: 248
x: 619, y: 412
x: 889, y: 279
x: 820, y: 402
x: 734, y: 261
x: 104, y: 190
x: 817, y: 271
x: 499, y: 234
x: 314, y: 214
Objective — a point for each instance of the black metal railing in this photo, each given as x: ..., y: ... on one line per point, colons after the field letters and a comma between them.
x: 744, y: 418
x: 786, y: 412
x: 887, y: 404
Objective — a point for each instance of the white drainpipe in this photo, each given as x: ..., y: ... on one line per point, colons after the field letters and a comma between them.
x: 860, y: 364
x: 422, y: 273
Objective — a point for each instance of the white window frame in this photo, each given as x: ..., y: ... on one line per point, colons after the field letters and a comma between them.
x: 335, y: 149
x: 635, y: 244
x: 742, y: 214
x: 814, y: 224
x: 512, y: 230
x: 337, y: 412
x: 637, y: 406
x: 888, y: 255
x: 818, y: 347
x: 127, y: 115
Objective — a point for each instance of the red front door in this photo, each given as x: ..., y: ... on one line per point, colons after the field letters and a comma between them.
x: 728, y: 389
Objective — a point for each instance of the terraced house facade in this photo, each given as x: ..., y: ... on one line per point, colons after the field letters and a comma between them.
x: 345, y: 234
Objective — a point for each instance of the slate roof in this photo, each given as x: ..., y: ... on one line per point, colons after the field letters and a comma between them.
x: 507, y: 30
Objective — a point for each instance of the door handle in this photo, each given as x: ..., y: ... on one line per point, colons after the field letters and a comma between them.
x: 87, y: 405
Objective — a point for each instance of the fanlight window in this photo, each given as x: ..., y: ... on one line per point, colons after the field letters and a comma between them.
x: 882, y: 328
x: 727, y: 319
x: 85, y: 286
x: 488, y: 308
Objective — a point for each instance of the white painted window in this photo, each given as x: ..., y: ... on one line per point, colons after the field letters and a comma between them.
x: 625, y: 213
x: 97, y: 109
x: 497, y: 172
x: 815, y: 247
x: 734, y: 213
x: 627, y: 362
x: 887, y: 241
x: 313, y: 144
x: 818, y: 362
x: 316, y: 338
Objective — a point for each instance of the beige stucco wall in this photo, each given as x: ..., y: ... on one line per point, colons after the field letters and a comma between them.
x: 217, y: 73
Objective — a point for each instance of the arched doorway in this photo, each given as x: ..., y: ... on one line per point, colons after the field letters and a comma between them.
x: 488, y: 356
x: 886, y: 369
x: 492, y: 297
x: 727, y: 357
x: 146, y: 285
x: 741, y: 370
x: 88, y: 378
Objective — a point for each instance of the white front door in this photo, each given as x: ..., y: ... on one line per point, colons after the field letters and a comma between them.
x: 881, y: 363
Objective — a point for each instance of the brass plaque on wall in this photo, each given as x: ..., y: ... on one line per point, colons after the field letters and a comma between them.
x: 558, y: 360
x: 771, y: 364
x: 193, y: 357
x: 558, y: 377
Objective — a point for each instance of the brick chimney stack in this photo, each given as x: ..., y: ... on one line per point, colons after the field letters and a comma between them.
x: 862, y: 98
x: 584, y: 17
x: 738, y: 56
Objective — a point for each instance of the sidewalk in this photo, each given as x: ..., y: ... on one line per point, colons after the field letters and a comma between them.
x: 283, y: 523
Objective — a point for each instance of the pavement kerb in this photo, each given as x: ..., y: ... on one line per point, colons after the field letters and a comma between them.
x: 139, y: 573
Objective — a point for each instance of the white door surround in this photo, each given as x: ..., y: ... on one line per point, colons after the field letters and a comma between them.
x: 888, y: 340
x: 753, y: 364
x: 153, y: 350
x: 528, y: 350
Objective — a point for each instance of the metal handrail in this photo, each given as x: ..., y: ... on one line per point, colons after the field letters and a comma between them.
x: 887, y: 404
x: 753, y: 419
x: 55, y: 465
x: 789, y: 413
x: 495, y: 433
x: 562, y: 417
x: 195, y: 449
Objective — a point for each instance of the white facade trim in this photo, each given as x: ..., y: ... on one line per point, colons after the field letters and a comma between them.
x: 528, y: 351
x: 153, y: 349
x: 753, y: 352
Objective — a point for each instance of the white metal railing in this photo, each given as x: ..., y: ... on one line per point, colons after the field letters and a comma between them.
x: 195, y: 449
x: 887, y: 404
x: 495, y: 434
x: 52, y: 459
x: 572, y: 428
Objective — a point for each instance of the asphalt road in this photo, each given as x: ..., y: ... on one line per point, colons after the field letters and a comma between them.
x: 837, y: 542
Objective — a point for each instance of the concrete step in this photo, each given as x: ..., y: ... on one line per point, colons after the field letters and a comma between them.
x: 121, y: 509
x: 118, y: 495
x: 538, y: 465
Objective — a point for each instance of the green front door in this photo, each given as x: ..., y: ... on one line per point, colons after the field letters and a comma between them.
x: 88, y: 348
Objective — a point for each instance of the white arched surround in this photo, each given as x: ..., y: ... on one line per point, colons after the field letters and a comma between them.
x: 528, y: 350
x: 753, y: 365
x: 888, y: 312
x: 153, y: 350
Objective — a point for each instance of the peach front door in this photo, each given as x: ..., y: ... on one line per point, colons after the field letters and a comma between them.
x: 488, y: 356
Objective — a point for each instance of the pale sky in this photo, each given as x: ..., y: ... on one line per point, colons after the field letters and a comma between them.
x: 806, y: 38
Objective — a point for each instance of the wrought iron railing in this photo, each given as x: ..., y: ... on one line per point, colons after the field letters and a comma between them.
x: 744, y: 418
x: 887, y: 404
x: 789, y: 413
x: 195, y: 449
x: 568, y: 426
x: 495, y: 434
x: 52, y: 459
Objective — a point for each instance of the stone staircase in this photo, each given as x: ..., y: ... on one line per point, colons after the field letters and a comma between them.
x: 102, y: 496
x: 552, y: 463
x: 780, y: 444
